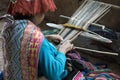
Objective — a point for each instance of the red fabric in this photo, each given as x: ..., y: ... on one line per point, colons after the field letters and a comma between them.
x: 32, y: 7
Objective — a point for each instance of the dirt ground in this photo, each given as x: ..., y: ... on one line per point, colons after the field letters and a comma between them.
x: 112, y: 20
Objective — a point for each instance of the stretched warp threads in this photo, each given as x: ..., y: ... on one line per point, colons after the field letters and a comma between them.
x: 87, y: 13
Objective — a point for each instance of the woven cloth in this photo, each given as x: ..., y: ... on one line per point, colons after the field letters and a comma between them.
x: 23, y: 41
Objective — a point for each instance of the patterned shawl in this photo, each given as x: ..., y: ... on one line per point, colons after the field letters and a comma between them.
x: 23, y: 42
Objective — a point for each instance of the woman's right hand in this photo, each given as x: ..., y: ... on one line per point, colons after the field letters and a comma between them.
x: 65, y: 47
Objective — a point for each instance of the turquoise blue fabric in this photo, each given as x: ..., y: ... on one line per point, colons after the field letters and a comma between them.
x: 51, y: 62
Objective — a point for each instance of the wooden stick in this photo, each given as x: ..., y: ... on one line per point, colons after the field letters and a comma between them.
x: 94, y: 24
x: 74, y: 37
x: 83, y: 18
x: 112, y: 5
x: 61, y: 31
x: 91, y: 50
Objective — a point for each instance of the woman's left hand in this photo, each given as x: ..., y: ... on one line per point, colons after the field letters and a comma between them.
x: 54, y: 38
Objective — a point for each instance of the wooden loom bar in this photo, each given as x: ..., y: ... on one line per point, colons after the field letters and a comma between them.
x: 91, y: 50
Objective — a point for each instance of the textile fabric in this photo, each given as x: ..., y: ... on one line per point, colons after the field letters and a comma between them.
x: 23, y: 41
x: 30, y: 55
x: 82, y: 69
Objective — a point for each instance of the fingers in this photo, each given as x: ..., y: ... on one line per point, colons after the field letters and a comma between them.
x: 58, y: 37
x: 72, y: 46
x: 55, y: 37
x: 65, y: 46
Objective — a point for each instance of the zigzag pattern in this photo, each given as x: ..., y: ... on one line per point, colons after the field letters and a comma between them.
x: 13, y: 37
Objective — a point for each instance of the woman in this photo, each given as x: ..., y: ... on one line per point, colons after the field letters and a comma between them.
x: 29, y: 54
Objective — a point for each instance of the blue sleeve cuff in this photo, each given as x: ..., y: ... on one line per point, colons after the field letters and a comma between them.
x: 64, y: 74
x: 61, y: 57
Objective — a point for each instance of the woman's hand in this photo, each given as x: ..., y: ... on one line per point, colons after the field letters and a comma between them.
x: 65, y: 47
x: 56, y: 39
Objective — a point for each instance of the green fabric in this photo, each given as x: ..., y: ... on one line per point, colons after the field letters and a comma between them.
x: 48, y: 32
x: 13, y: 1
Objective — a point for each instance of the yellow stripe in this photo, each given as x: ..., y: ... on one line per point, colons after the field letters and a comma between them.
x: 73, y: 26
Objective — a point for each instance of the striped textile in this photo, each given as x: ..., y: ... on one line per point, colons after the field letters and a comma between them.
x: 23, y: 41
x: 78, y: 76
